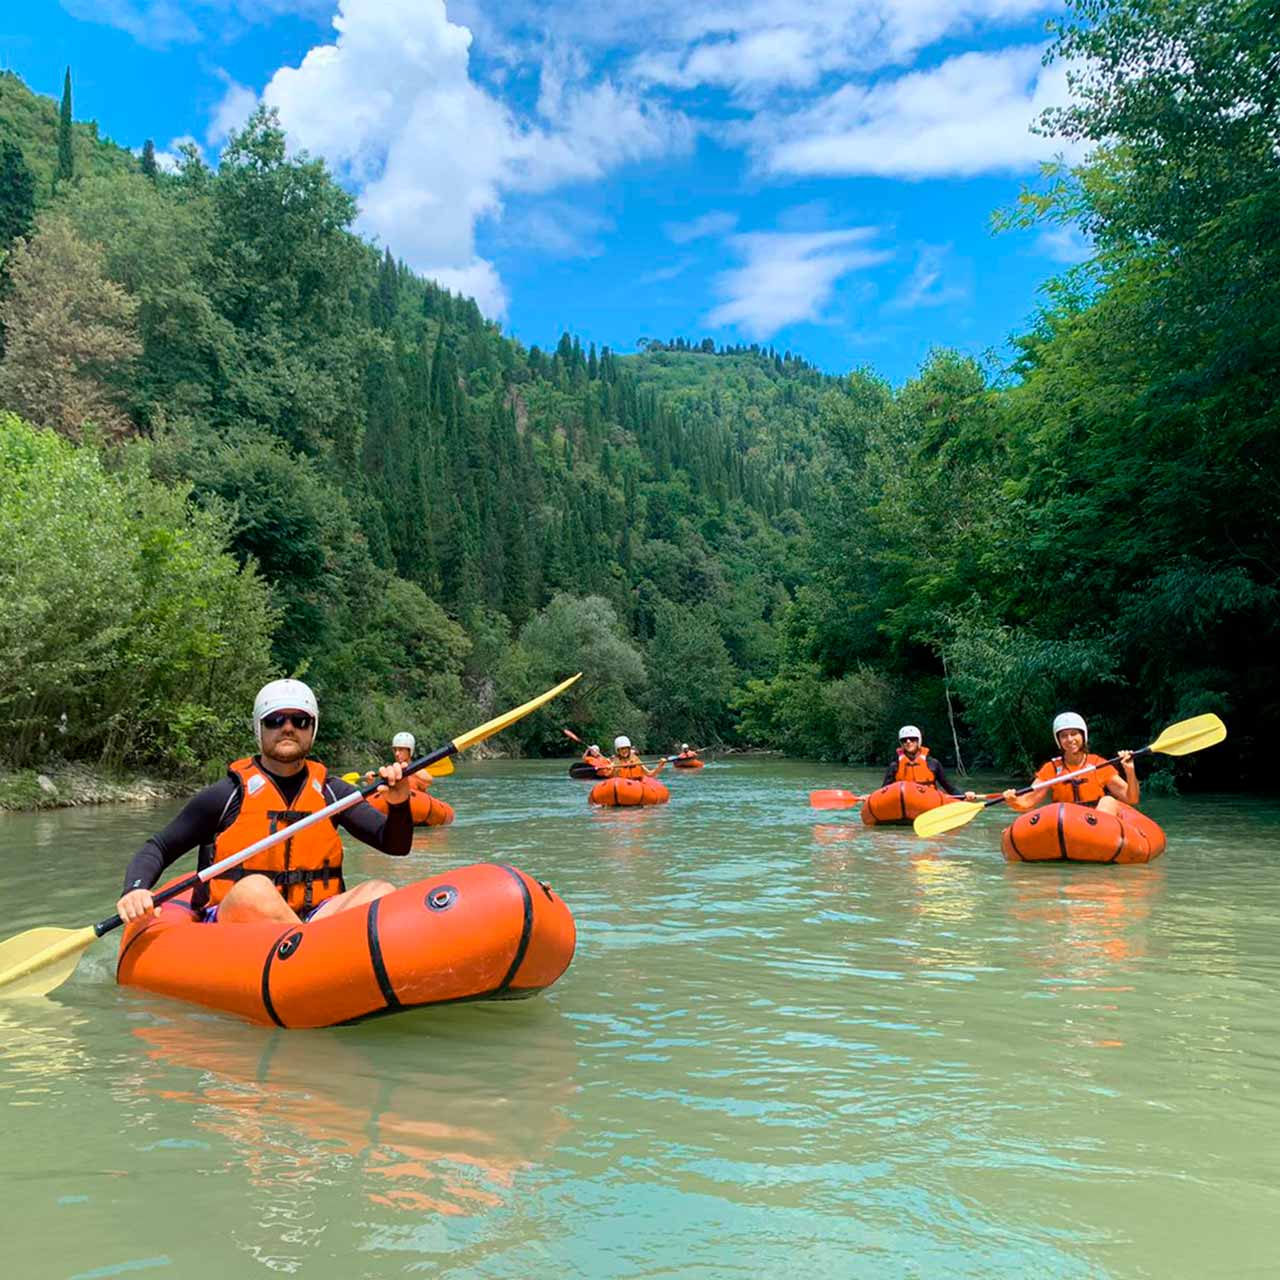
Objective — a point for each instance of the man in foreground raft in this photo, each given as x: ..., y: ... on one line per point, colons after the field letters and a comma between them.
x: 1088, y: 824
x: 300, y: 879
x: 914, y: 783
x: 480, y: 932
x: 630, y: 781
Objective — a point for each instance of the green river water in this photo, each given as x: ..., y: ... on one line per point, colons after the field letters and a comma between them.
x: 787, y: 1044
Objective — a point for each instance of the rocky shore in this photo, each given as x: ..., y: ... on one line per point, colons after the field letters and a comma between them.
x: 60, y: 786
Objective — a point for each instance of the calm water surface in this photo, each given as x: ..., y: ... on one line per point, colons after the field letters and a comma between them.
x: 787, y: 1044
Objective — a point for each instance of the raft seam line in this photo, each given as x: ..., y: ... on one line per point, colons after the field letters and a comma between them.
x: 526, y: 932
x: 267, y: 1003
x: 375, y: 957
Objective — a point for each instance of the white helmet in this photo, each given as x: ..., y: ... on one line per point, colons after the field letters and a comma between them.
x: 403, y: 740
x: 910, y: 731
x: 684, y: 746
x: 283, y: 695
x: 621, y: 741
x: 1069, y: 720
x: 593, y: 749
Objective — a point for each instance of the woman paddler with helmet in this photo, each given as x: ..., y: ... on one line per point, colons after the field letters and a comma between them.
x: 300, y: 878
x: 1103, y: 788
x: 626, y: 764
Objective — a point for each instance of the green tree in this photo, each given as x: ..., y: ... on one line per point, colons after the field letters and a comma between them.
x: 131, y: 636
x: 70, y: 335
x: 691, y: 675
x: 149, y: 169
x: 17, y: 196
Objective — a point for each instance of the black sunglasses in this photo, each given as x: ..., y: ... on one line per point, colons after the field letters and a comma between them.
x: 278, y: 719
x: 901, y: 741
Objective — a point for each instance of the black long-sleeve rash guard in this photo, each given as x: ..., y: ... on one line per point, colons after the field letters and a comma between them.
x: 941, y: 781
x: 215, y: 808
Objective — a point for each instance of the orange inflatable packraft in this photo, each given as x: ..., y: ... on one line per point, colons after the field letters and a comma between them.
x: 900, y: 803
x: 426, y: 809
x: 487, y: 931
x: 628, y: 792
x: 688, y: 763
x: 1075, y: 833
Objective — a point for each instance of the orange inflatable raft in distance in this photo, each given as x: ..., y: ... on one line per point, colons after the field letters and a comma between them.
x: 901, y: 803
x: 689, y: 762
x: 629, y: 792
x: 426, y: 809
x: 484, y: 932
x: 1075, y: 833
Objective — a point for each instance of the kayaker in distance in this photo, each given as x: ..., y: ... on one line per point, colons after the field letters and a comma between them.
x: 686, y: 752
x: 626, y: 764
x: 596, y: 759
x: 1103, y: 789
x: 915, y: 764
x: 402, y: 749
x: 299, y: 879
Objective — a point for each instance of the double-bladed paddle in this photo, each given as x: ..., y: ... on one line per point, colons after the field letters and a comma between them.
x: 37, y: 961
x: 1179, y: 739
x: 437, y: 769
x: 834, y: 799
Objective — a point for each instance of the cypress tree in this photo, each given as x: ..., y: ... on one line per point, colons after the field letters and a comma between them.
x: 66, y: 162
x: 149, y: 159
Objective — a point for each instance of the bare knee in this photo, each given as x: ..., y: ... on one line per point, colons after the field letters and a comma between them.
x: 360, y: 896
x: 369, y: 890
x: 254, y: 898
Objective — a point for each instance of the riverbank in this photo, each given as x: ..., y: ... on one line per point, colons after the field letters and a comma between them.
x: 63, y: 786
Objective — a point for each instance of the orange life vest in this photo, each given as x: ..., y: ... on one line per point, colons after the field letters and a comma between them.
x: 1087, y: 790
x: 915, y: 770
x: 629, y: 768
x: 307, y: 868
x: 419, y: 781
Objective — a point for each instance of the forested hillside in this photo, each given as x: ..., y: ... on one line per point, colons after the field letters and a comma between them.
x: 306, y: 459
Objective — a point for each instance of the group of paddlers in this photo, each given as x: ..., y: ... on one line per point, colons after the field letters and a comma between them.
x: 625, y: 763
x: 1104, y: 787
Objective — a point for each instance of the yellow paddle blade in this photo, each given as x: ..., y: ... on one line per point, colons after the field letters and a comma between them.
x: 438, y: 769
x: 946, y: 817
x: 1186, y: 736
x: 498, y: 723
x: 35, y: 962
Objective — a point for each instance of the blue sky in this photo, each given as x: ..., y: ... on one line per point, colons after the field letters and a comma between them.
x: 814, y: 174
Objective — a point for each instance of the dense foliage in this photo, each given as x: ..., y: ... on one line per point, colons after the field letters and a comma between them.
x: 734, y: 546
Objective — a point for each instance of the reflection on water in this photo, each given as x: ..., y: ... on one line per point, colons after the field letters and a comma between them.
x: 787, y: 1043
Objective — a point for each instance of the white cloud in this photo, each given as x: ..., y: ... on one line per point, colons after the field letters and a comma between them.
x: 159, y: 23
x: 168, y: 160
x: 745, y: 47
x: 559, y: 229
x: 1064, y: 244
x: 154, y: 23
x: 715, y: 223
x: 928, y: 285
x: 234, y: 108
x: 970, y: 115
x: 392, y: 105
x: 660, y: 275
x: 789, y: 276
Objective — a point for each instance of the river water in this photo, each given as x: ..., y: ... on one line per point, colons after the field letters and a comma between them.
x: 786, y: 1044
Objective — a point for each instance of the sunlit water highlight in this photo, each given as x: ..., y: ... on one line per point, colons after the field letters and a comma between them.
x: 787, y: 1045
